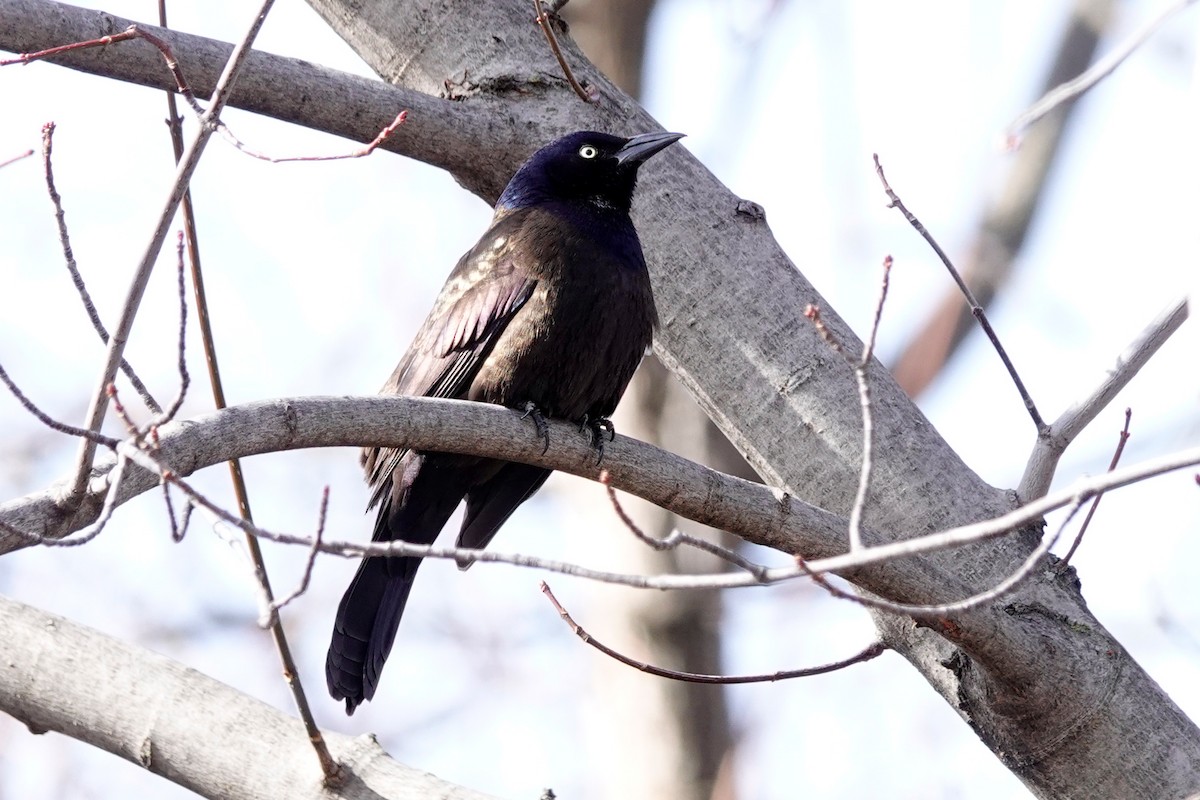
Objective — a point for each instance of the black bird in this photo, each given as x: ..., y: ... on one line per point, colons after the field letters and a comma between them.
x: 551, y: 312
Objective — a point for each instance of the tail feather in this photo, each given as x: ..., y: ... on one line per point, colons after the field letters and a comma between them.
x: 491, y: 503
x: 425, y: 491
x: 365, y: 628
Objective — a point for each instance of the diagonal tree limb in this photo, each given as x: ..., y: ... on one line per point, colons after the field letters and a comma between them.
x: 64, y: 677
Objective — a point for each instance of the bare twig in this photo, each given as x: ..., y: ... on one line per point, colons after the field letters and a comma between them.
x: 1039, y: 470
x: 179, y: 527
x: 976, y: 309
x: 589, y: 95
x: 329, y: 766
x: 941, y: 610
x: 50, y: 422
x: 137, y: 288
x: 860, y: 366
x: 271, y: 617
x: 677, y: 537
x: 15, y: 158
x: 103, y: 41
x: 873, y: 650
x: 365, y: 150
x: 813, y: 314
x: 868, y: 419
x: 1072, y: 89
x: 185, y: 379
x: 64, y: 239
x: 1122, y: 438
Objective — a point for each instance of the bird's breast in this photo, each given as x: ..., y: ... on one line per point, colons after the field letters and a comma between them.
x: 573, y: 347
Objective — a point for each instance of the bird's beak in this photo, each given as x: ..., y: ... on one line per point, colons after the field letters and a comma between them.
x: 641, y: 147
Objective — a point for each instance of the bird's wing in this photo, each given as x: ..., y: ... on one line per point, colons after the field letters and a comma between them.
x: 482, y: 295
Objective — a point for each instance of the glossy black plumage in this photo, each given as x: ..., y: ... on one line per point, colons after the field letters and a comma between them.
x: 552, y: 308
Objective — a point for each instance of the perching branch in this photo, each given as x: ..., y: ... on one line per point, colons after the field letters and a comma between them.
x: 747, y: 509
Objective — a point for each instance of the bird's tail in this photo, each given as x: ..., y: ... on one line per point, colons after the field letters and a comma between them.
x: 365, y: 627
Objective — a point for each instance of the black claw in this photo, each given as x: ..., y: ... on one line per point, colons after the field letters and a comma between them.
x: 539, y: 422
x: 598, y: 428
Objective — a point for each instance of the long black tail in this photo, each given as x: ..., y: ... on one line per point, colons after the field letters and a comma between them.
x: 425, y: 490
x: 365, y: 627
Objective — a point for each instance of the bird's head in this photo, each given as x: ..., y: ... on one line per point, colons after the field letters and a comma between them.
x: 595, y: 168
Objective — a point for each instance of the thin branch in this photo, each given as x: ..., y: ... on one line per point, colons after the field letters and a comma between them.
x: 137, y: 288
x: 15, y: 158
x: 589, y: 95
x: 64, y: 239
x: 1049, y: 448
x: 185, y: 379
x: 976, y: 309
x: 873, y: 650
x: 1066, y: 92
x: 813, y: 313
x: 920, y: 611
x: 1122, y: 438
x: 103, y: 41
x: 868, y: 419
x: 50, y: 422
x: 365, y: 150
x: 677, y: 537
x: 271, y: 617
x: 329, y: 766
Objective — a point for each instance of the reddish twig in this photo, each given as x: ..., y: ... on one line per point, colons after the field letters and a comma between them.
x: 329, y: 766
x: 15, y: 158
x: 870, y: 652
x: 64, y: 239
x: 1122, y: 438
x: 976, y: 309
x: 366, y: 150
x: 677, y: 537
x: 26, y: 58
x: 588, y: 94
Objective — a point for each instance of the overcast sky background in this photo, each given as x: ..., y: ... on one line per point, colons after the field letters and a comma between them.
x: 319, y: 273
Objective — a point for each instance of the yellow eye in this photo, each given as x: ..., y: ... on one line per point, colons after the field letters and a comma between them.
x: 587, y: 151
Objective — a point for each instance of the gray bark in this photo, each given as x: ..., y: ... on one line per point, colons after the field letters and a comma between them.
x: 1037, y: 677
x: 178, y: 723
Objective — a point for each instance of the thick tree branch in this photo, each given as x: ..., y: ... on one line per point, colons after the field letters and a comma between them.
x: 195, y: 731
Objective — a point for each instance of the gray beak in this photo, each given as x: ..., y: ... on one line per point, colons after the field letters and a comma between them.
x: 641, y: 147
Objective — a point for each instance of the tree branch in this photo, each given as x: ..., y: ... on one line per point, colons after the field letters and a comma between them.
x: 61, y: 676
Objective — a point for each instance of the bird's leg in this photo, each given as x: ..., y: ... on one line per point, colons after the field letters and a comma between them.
x: 539, y: 422
x: 598, y: 427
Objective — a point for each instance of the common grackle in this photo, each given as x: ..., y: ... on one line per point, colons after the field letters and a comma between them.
x: 550, y: 312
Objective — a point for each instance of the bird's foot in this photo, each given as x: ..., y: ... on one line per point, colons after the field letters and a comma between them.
x: 539, y: 422
x: 598, y: 428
